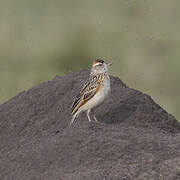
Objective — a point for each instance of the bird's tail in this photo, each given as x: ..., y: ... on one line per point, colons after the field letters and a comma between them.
x: 73, y: 118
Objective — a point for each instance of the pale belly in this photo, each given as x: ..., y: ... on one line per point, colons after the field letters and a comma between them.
x: 98, y: 98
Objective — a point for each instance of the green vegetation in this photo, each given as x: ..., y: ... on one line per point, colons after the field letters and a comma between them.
x: 40, y: 39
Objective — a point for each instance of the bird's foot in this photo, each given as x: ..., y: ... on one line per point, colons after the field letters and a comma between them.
x: 96, y: 119
x: 89, y: 118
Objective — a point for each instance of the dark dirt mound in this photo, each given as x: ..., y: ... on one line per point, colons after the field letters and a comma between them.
x: 136, y: 139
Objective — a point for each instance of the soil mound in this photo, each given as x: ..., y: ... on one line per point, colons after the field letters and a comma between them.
x: 135, y: 140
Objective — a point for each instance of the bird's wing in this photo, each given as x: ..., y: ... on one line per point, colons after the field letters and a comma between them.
x: 90, y: 88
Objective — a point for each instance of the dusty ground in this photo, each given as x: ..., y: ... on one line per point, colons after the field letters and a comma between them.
x: 136, y: 139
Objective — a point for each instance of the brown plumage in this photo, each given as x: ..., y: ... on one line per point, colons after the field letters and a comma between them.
x: 94, y: 90
x: 91, y: 87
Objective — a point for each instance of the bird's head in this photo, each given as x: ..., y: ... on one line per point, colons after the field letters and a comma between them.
x: 100, y: 66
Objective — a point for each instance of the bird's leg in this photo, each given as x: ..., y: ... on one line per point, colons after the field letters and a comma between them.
x: 88, y: 111
x: 95, y: 118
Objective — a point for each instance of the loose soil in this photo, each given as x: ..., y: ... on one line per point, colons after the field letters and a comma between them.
x: 135, y: 138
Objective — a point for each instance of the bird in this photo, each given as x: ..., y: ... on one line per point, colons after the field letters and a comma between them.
x: 94, y: 91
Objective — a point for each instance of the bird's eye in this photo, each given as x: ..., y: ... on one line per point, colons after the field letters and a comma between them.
x: 100, y: 65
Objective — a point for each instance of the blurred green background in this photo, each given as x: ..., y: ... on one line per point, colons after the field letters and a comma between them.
x: 40, y: 39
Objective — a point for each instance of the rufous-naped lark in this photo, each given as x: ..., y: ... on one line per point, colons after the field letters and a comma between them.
x: 94, y: 90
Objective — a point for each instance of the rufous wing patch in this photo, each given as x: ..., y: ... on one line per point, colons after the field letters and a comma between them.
x: 86, y: 98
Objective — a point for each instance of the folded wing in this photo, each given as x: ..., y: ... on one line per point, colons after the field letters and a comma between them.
x: 88, y: 91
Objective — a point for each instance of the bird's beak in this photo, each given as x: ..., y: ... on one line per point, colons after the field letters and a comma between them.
x: 108, y: 64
